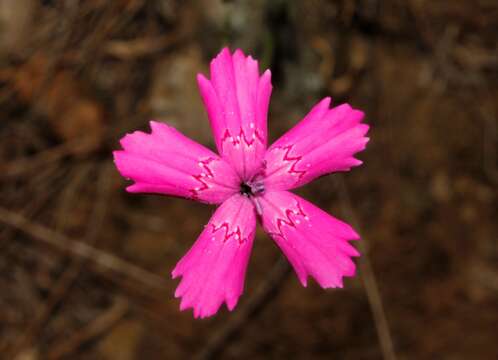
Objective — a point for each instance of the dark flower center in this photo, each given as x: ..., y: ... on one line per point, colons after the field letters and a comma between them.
x: 245, y: 189
x: 251, y: 189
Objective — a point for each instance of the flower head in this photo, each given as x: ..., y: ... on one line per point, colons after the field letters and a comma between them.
x: 250, y: 182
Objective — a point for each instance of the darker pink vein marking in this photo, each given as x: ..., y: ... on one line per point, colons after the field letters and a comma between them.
x: 287, y: 220
x: 294, y: 160
x: 205, y: 166
x: 202, y: 178
x: 242, y: 136
x: 237, y: 233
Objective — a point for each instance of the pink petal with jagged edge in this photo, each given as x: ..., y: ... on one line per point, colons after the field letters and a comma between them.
x: 314, y: 242
x: 167, y: 162
x: 236, y: 100
x: 325, y: 141
x: 213, y: 270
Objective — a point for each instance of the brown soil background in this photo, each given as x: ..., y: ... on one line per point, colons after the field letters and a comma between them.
x: 84, y: 266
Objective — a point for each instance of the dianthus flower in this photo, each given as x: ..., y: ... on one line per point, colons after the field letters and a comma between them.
x: 250, y: 182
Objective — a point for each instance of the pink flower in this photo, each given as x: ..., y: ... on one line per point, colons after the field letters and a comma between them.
x: 250, y: 182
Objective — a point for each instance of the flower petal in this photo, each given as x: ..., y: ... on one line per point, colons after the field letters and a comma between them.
x: 167, y: 162
x: 236, y: 100
x: 213, y: 270
x: 314, y: 242
x: 324, y: 141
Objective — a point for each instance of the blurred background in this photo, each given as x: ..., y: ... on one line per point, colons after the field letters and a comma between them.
x: 85, y: 267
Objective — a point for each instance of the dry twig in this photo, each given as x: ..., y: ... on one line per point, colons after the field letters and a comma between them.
x: 247, y: 311
x: 127, y: 50
x: 65, y: 281
x: 19, y: 167
x: 97, y: 327
x: 369, y: 281
x: 104, y: 262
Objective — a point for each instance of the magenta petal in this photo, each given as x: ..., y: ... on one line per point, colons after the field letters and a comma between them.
x: 236, y: 100
x: 324, y: 141
x: 314, y: 242
x: 213, y: 270
x: 167, y: 162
